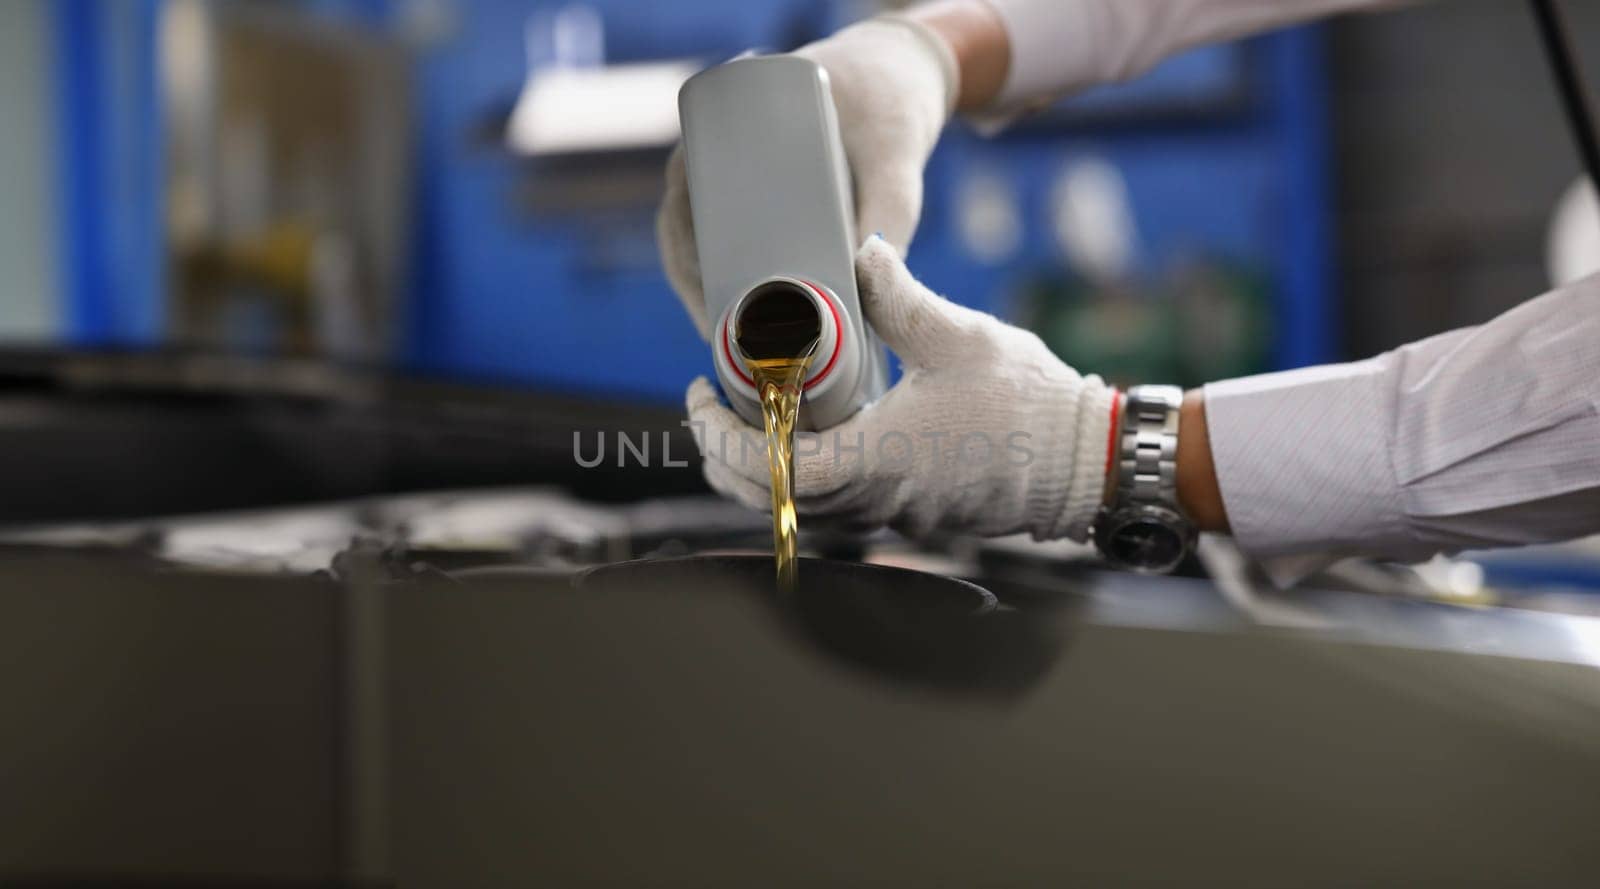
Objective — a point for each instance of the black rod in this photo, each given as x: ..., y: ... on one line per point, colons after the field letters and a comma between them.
x: 1569, y: 82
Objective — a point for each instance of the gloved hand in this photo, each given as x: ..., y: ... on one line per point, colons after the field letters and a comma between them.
x: 894, y: 85
x: 987, y: 432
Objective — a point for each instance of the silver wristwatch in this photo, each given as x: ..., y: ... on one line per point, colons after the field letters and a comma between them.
x: 1142, y: 528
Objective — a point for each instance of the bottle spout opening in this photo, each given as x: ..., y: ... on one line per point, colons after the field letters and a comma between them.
x: 777, y: 320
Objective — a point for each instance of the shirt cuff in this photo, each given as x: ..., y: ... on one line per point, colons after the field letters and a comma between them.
x: 1303, y: 462
x: 1050, y: 53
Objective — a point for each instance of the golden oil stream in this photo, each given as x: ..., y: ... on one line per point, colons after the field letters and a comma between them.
x: 778, y: 334
x: 778, y: 381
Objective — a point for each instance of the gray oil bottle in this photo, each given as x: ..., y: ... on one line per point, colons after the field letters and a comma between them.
x: 774, y: 220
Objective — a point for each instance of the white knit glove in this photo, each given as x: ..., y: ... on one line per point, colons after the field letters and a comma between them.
x: 894, y: 85
x: 987, y: 432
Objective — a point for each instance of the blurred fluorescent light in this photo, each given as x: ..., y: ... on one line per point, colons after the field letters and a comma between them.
x: 1573, y: 242
x: 563, y: 110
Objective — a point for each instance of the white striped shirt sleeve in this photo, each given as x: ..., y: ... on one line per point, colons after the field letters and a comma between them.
x: 1061, y: 46
x: 1486, y: 436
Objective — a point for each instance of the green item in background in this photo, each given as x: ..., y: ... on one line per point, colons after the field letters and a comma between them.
x: 1203, y: 320
x: 1224, y: 313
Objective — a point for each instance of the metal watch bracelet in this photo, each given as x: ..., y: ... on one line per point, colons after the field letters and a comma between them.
x: 1147, y: 448
x: 1142, y: 528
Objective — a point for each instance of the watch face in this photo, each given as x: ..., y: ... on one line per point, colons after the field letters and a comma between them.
x: 1146, y: 543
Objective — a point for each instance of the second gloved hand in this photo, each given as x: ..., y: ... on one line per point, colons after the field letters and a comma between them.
x: 987, y: 432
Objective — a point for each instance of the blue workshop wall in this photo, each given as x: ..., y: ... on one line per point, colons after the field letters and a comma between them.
x: 1224, y: 155
x: 110, y: 172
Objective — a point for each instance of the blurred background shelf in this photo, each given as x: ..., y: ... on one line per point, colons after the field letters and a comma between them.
x: 1315, y: 194
x: 206, y: 202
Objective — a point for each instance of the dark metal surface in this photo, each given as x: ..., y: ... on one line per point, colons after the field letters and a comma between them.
x: 174, y: 725
x: 647, y: 739
x: 164, y: 727
x: 908, y: 626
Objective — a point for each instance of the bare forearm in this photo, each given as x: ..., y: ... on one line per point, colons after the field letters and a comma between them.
x: 1027, y: 52
x: 978, y: 36
x: 1198, y: 491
